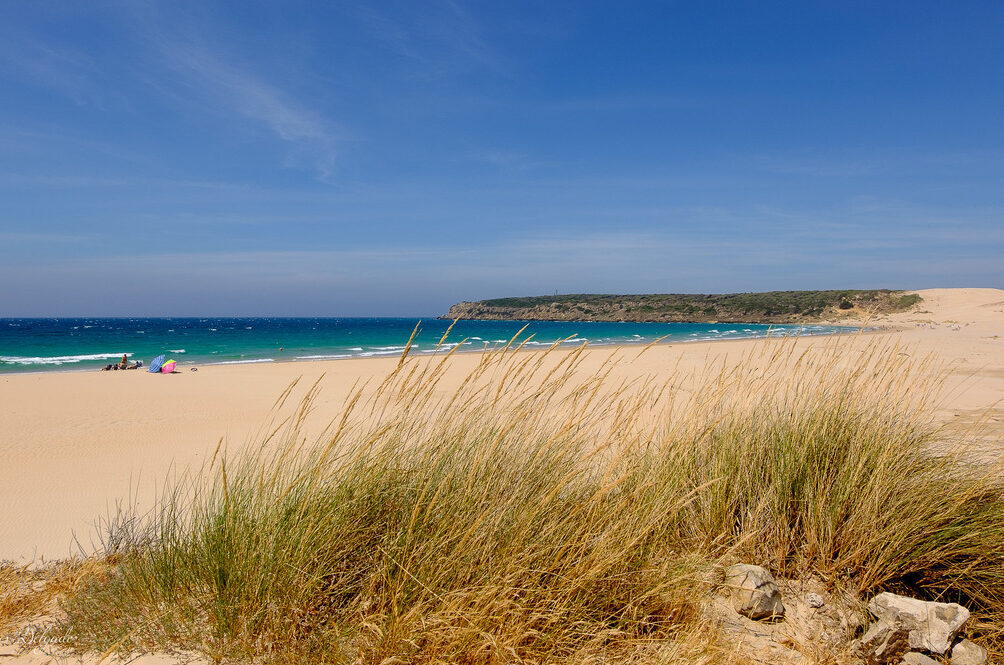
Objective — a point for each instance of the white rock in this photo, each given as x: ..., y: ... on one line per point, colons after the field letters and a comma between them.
x: 932, y: 626
x: 969, y: 653
x: 814, y: 600
x: 916, y: 658
x: 754, y: 592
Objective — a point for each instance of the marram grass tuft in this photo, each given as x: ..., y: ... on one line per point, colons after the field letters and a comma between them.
x: 539, y: 513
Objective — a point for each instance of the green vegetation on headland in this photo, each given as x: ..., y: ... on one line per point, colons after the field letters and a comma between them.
x: 541, y: 515
x: 767, y: 307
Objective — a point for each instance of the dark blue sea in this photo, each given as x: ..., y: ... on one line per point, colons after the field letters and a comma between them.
x: 33, y: 345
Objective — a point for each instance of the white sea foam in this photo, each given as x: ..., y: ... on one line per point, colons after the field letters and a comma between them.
x: 175, y: 350
x: 355, y: 348
x: 446, y: 347
x: 59, y: 360
x: 389, y: 348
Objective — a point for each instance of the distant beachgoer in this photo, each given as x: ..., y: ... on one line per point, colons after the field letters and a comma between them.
x: 123, y: 364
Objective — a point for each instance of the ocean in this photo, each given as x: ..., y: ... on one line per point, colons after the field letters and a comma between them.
x: 36, y: 345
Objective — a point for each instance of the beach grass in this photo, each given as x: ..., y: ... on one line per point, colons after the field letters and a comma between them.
x: 17, y: 603
x: 539, y: 513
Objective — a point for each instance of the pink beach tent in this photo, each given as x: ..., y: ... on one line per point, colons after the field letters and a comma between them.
x: 168, y: 367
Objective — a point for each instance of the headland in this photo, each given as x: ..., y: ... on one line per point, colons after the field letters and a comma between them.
x: 766, y: 307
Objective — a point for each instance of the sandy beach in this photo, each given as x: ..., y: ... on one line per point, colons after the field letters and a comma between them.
x: 73, y: 445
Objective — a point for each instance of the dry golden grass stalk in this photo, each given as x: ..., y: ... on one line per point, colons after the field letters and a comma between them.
x: 542, y: 513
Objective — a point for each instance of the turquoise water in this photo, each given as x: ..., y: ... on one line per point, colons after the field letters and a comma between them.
x: 32, y: 345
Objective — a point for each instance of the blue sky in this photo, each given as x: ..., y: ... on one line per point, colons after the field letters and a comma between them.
x: 391, y: 158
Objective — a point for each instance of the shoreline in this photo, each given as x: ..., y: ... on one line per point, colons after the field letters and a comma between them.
x: 75, y: 444
x: 850, y: 330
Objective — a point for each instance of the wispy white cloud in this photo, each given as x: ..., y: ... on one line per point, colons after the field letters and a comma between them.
x: 511, y: 160
x: 873, y: 163
x: 606, y: 103
x: 440, y: 38
x: 69, y: 181
x: 208, y: 73
x: 240, y: 91
x: 9, y: 238
x: 63, y: 181
x: 58, y: 67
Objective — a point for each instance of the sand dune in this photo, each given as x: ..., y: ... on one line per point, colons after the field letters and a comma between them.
x: 72, y: 445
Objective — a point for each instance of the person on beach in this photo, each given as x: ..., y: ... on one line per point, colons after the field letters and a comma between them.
x: 123, y: 364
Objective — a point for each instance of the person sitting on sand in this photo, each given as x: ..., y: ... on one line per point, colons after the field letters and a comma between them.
x: 123, y: 364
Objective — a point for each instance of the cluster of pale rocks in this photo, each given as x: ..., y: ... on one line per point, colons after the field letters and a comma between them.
x: 811, y: 624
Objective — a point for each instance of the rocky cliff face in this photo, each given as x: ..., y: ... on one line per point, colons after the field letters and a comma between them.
x: 770, y: 307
